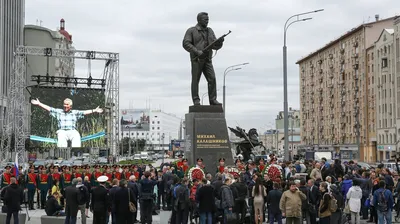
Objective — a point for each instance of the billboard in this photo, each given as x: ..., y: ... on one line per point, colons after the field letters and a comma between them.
x: 67, y: 117
x: 135, y: 120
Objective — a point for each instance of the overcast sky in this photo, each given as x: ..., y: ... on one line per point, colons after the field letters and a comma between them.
x: 153, y: 65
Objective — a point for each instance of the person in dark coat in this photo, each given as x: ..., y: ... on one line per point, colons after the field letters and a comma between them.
x: 100, y: 203
x: 147, y: 197
x: 72, y: 199
x: 52, y: 206
x: 273, y: 199
x: 240, y: 201
x: 205, y: 196
x: 132, y: 184
x: 13, y: 199
x: 122, y: 197
x: 113, y: 190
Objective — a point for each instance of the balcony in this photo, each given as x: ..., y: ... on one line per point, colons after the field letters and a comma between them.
x: 355, y: 55
x: 319, y: 61
x: 331, y: 75
x: 330, y: 86
x: 321, y: 80
x: 342, y: 50
x: 321, y: 71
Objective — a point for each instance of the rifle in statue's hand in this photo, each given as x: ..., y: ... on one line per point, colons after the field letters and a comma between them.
x: 205, y: 50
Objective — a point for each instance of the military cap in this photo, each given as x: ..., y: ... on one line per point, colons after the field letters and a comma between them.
x: 199, y: 160
x: 184, y: 160
x: 180, y: 156
x: 7, y: 167
x: 221, y: 159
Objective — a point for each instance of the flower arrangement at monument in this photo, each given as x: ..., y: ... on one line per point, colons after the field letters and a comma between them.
x: 274, y: 172
x: 195, y: 173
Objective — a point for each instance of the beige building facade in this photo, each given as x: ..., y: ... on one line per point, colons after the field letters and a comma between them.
x: 334, y: 99
x: 396, y: 62
x: 385, y: 95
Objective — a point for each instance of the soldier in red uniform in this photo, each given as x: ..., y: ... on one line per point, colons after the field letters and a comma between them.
x: 78, y: 172
x: 185, y: 165
x: 56, y: 175
x: 262, y: 165
x: 87, y: 172
x: 126, y: 174
x: 96, y: 174
x: 117, y: 174
x: 44, y: 184
x: 108, y: 173
x: 241, y: 167
x: 135, y: 172
x: 221, y: 167
x: 5, y: 179
x: 200, y: 163
x: 66, y: 177
x: 179, y: 164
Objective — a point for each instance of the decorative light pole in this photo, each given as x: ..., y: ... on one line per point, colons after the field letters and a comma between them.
x: 285, y: 91
x: 162, y: 148
x: 227, y: 70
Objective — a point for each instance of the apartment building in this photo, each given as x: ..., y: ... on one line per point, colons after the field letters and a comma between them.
x: 396, y: 62
x: 385, y: 95
x: 334, y: 98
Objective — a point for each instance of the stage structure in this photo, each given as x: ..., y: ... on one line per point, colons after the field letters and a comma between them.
x: 17, y: 126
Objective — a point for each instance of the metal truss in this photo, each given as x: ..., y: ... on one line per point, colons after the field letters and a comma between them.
x: 16, y: 125
x: 67, y: 81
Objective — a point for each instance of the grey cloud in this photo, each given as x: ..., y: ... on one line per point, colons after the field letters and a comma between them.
x: 153, y: 65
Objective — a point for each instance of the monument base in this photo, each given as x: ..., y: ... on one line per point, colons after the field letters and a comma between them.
x: 207, y: 137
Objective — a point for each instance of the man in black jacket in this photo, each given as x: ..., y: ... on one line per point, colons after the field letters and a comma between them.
x: 72, y: 198
x: 240, y: 199
x: 273, y: 199
x: 52, y: 206
x: 100, y: 205
x: 13, y: 199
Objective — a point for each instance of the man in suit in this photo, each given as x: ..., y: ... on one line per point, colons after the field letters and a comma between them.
x: 132, y: 184
x: 314, y: 197
x: 101, y: 204
x: 273, y: 198
x: 72, y: 199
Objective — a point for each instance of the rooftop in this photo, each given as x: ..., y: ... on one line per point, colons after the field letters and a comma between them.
x: 348, y: 33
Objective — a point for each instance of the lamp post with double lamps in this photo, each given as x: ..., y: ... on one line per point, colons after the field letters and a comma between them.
x: 288, y: 23
x: 227, y: 70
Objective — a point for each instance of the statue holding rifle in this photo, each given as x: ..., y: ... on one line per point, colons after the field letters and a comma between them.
x: 199, y: 41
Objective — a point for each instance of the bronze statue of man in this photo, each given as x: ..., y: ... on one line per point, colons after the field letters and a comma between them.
x: 196, y: 39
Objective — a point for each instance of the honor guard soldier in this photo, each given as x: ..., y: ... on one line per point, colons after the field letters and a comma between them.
x: 240, y: 165
x: 87, y: 173
x: 108, y: 174
x: 5, y: 179
x: 200, y: 163
x: 221, y: 167
x: 126, y: 174
x: 185, y: 165
x: 66, y: 178
x: 56, y: 174
x: 117, y: 174
x: 179, y: 164
x: 78, y: 172
x: 44, y: 183
x: 262, y: 165
x: 136, y: 172
x: 31, y: 185
x: 96, y: 174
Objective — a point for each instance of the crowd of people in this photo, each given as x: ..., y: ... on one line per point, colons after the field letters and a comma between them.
x: 249, y: 192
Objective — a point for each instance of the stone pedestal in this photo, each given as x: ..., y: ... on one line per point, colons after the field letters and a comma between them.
x: 207, y: 137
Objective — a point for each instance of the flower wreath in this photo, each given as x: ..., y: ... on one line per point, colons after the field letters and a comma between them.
x: 273, y: 171
x: 195, y: 173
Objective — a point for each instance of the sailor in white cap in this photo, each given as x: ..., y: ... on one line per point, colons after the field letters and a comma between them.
x: 100, y: 201
x: 102, y: 179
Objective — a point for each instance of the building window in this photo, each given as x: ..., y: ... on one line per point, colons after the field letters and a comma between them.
x: 158, y: 128
x: 152, y: 128
x: 158, y: 122
x: 384, y: 62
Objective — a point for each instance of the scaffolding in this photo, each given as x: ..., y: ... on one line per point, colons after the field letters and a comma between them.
x: 16, y: 126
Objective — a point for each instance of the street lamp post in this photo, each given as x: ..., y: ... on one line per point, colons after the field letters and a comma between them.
x: 129, y: 142
x: 204, y: 95
x: 285, y: 91
x: 162, y: 148
x: 227, y: 70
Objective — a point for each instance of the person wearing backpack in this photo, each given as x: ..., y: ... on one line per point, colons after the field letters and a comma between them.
x: 383, y: 203
x: 336, y: 215
x: 354, y: 196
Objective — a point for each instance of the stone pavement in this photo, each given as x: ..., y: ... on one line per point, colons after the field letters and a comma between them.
x: 36, y: 214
